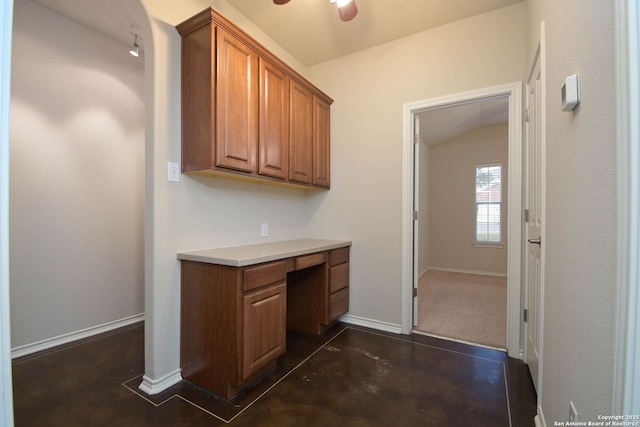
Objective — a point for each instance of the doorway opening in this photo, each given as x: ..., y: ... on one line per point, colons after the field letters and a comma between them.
x: 461, y: 199
x: 415, y: 114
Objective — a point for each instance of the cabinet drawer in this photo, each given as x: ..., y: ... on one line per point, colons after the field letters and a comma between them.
x: 310, y: 260
x: 338, y: 256
x: 338, y: 277
x: 264, y: 274
x: 338, y: 304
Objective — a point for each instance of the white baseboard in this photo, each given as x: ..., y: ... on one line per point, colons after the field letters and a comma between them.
x: 151, y: 386
x: 371, y: 323
x: 456, y: 270
x: 25, y: 350
x: 539, y: 419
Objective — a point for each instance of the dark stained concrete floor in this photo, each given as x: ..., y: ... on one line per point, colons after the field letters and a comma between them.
x: 350, y: 376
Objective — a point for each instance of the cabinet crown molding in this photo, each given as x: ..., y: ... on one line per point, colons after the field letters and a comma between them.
x: 210, y: 15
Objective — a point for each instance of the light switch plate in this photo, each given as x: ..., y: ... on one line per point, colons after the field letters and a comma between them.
x: 174, y: 172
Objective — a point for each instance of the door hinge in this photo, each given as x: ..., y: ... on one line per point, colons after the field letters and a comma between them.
x: 526, y: 215
x: 525, y: 315
x: 415, y: 292
x: 416, y: 138
x: 526, y: 115
x: 415, y: 215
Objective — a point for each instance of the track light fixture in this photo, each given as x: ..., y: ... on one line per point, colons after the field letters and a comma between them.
x: 135, y: 49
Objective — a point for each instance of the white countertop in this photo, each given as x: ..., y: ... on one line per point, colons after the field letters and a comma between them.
x: 240, y: 256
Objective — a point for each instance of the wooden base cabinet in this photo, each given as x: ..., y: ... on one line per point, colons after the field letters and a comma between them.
x: 245, y: 113
x: 233, y: 323
x: 264, y: 321
x: 319, y: 294
x: 338, y: 292
x: 234, y: 319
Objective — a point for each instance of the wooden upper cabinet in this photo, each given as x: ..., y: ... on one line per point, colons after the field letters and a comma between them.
x: 198, y: 90
x: 245, y: 113
x: 274, y: 121
x: 321, y: 142
x: 301, y: 134
x: 237, y: 103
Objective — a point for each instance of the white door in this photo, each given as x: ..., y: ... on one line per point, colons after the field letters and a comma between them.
x: 533, y: 179
x: 416, y: 234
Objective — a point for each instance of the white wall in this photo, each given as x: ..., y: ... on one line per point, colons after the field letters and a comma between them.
x: 370, y: 88
x: 77, y: 178
x: 580, y: 275
x: 451, y: 195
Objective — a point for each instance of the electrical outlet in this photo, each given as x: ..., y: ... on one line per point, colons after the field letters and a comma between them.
x: 573, y: 413
x: 265, y: 229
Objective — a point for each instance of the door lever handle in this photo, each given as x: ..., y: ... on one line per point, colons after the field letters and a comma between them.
x: 534, y: 241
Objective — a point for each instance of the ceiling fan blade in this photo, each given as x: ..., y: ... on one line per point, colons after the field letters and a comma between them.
x: 348, y: 11
x: 281, y: 1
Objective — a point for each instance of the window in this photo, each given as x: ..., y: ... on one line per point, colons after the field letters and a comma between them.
x: 489, y: 204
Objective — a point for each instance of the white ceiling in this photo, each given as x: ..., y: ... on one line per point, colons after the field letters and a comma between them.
x: 311, y: 31
x: 443, y: 124
x: 117, y: 19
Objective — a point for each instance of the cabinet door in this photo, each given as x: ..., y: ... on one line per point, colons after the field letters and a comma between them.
x: 274, y: 121
x: 321, y: 143
x: 264, y: 327
x: 236, y: 104
x: 301, y: 134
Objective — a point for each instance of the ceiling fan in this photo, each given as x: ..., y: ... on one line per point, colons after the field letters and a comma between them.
x: 347, y: 9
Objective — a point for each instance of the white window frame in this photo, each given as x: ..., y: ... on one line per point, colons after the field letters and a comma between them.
x: 486, y: 243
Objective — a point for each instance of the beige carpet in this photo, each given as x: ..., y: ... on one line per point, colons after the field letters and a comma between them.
x: 462, y: 306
